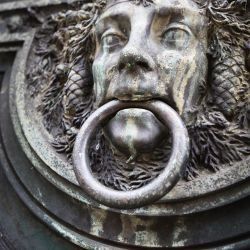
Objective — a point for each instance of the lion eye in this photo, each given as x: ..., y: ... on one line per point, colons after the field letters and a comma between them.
x: 175, y: 38
x: 111, y: 41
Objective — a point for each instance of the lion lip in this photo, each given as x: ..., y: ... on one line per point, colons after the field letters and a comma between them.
x: 135, y: 98
x: 141, y: 98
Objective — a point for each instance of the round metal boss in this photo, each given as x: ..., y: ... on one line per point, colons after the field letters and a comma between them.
x: 153, y: 190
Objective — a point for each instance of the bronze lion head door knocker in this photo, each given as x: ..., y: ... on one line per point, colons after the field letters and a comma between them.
x: 145, y: 100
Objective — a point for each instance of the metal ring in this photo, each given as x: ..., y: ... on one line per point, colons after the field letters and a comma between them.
x: 157, y: 187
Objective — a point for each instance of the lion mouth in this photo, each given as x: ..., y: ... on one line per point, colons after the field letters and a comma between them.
x: 140, y: 97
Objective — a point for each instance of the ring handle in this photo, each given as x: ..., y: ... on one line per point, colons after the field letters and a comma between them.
x: 154, y: 190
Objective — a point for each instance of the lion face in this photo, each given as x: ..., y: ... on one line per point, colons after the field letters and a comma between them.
x: 147, y: 53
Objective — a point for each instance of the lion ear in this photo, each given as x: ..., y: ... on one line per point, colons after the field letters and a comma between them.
x: 77, y: 93
x: 77, y: 103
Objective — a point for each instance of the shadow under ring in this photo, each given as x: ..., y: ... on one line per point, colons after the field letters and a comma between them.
x: 154, y: 190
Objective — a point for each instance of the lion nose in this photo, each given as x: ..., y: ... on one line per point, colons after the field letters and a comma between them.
x: 137, y: 75
x: 133, y: 59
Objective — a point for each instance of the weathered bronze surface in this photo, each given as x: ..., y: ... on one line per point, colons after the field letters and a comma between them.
x: 145, y: 103
x: 141, y: 51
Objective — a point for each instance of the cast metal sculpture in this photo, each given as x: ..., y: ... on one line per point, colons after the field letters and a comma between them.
x: 191, y: 55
